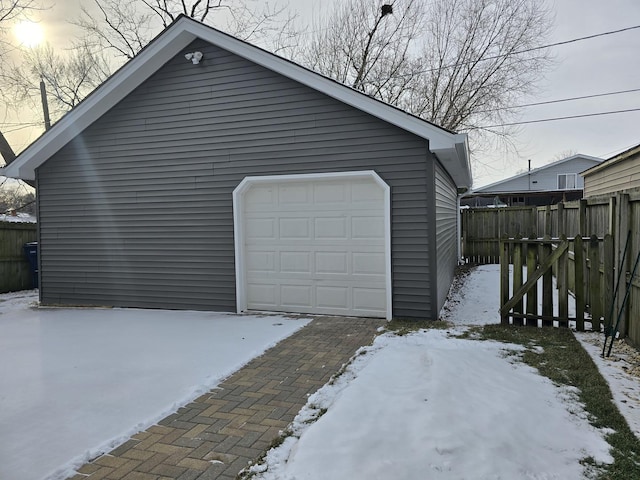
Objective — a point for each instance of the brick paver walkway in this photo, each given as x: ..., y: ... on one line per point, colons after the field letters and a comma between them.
x: 216, y: 435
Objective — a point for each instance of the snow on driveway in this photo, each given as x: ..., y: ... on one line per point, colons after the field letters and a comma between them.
x: 429, y: 405
x: 77, y: 382
x: 432, y: 405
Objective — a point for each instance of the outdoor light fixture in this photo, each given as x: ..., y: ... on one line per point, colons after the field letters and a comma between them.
x: 195, y: 57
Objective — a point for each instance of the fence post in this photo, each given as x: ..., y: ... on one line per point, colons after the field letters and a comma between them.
x: 532, y: 294
x: 562, y: 227
x: 517, y: 278
x: 623, y: 217
x: 547, y: 221
x: 608, y: 283
x: 612, y: 218
x: 595, y: 293
x: 563, y: 287
x: 504, y: 278
x: 582, y: 218
x: 547, y: 284
x: 578, y: 258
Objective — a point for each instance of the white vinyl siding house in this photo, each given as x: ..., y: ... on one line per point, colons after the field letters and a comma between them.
x: 545, y: 185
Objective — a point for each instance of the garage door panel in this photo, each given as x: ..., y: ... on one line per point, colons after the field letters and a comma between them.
x: 368, y: 263
x: 261, y: 261
x: 296, y: 295
x: 293, y: 194
x: 367, y: 227
x: 333, y: 297
x: 261, y: 228
x: 260, y: 198
x: 330, y: 193
x: 294, y: 229
x: 331, y: 263
x: 295, y: 262
x: 368, y: 299
x: 330, y: 228
x: 316, y: 246
x: 262, y: 294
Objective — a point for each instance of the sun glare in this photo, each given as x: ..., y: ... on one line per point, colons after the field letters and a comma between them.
x: 29, y: 34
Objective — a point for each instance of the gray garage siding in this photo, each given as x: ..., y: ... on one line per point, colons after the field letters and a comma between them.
x: 446, y: 215
x: 137, y: 210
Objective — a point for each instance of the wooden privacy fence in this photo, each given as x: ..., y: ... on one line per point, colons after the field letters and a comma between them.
x: 15, y: 272
x: 528, y: 296
x: 483, y: 227
x: 617, y: 215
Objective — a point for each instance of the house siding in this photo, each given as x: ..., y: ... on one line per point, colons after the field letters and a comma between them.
x: 137, y: 209
x: 446, y: 227
x: 543, y: 179
x: 619, y: 176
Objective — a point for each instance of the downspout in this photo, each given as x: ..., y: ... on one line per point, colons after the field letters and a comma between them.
x: 459, y: 228
x: 461, y: 192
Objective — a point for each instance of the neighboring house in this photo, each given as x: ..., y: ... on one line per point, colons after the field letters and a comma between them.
x: 243, y: 181
x: 618, y: 173
x: 547, y: 185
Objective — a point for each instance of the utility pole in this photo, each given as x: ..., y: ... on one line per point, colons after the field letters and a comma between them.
x: 45, y: 104
x: 6, y: 151
x: 9, y: 156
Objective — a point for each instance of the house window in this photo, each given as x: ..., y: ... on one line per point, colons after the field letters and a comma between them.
x: 567, y: 181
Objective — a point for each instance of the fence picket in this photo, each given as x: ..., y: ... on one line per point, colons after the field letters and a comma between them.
x: 532, y: 295
x: 578, y: 256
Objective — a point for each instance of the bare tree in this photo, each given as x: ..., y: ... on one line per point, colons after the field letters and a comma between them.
x: 458, y: 63
x: 10, y: 11
x: 69, y: 76
x: 125, y: 28
x: 368, y: 48
x: 17, y: 196
x: 563, y: 154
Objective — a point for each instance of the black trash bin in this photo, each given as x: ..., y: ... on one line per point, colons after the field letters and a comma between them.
x: 31, y: 251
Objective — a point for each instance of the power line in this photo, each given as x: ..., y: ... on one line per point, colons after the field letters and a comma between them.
x: 618, y: 150
x: 532, y: 49
x: 570, y: 99
x: 558, y: 118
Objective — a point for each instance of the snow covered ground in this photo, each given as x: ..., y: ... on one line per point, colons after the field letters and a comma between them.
x: 77, y: 382
x: 432, y: 405
x: 428, y: 405
x: 18, y: 218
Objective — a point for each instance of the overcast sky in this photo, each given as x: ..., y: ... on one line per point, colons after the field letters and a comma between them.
x: 601, y: 65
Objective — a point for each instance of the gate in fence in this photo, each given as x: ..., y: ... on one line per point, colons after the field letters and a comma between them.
x: 583, y: 266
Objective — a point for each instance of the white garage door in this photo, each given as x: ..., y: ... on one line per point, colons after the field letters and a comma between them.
x: 316, y: 245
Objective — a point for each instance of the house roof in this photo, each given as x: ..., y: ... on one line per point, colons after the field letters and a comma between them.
x: 451, y: 148
x: 495, y: 187
x: 613, y: 160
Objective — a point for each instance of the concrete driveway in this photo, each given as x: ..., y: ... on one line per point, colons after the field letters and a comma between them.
x: 77, y: 382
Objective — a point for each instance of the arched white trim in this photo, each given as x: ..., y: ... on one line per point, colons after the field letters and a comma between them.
x: 238, y: 229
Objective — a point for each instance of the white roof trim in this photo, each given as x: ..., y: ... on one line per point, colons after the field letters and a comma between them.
x: 180, y: 34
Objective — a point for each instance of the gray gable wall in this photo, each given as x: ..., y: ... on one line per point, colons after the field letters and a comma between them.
x: 543, y: 178
x: 137, y: 210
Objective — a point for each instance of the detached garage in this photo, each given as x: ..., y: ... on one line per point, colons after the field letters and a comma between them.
x: 243, y: 182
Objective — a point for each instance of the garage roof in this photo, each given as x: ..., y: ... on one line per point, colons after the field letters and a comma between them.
x: 451, y: 148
